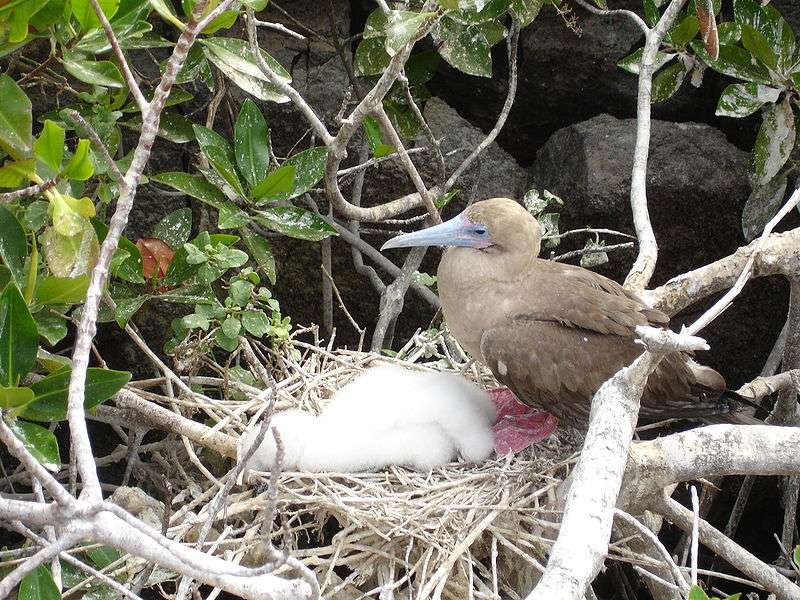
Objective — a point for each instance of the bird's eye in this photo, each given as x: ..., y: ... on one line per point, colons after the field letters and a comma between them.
x: 480, y: 230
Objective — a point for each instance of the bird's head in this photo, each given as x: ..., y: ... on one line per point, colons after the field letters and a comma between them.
x: 494, y: 226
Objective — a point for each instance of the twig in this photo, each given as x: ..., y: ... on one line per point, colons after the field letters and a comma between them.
x: 695, y: 531
x: 587, y: 251
x: 620, y: 12
x: 361, y: 331
x: 280, y: 27
x: 130, y: 80
x: 645, y: 263
x: 98, y: 144
x: 729, y: 550
x: 31, y: 190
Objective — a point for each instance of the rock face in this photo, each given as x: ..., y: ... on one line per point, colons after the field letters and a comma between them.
x: 696, y: 188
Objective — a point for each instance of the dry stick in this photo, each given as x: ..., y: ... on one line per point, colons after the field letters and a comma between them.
x: 645, y: 263
x: 729, y: 550
x: 327, y: 291
x: 280, y: 27
x: 434, y: 145
x: 31, y: 190
x: 50, y: 532
x: 625, y: 13
x: 361, y: 331
x: 695, y: 532
x: 46, y: 554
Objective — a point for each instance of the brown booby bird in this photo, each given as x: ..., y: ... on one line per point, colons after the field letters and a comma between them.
x: 554, y: 332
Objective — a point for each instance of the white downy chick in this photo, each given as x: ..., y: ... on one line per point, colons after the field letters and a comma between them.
x: 386, y: 416
x: 295, y: 427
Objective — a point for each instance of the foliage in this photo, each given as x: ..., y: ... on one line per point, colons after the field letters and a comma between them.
x: 698, y: 593
x: 758, y: 49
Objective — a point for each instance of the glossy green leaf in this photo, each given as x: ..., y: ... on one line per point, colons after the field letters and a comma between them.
x: 309, y: 168
x: 80, y: 166
x: 729, y: 32
x: 130, y: 268
x: 52, y: 328
x: 234, y: 58
x: 421, y: 67
x: 49, y: 147
x: 231, y: 216
x: 127, y: 307
x: 743, y: 99
x: 62, y: 290
x: 295, y: 222
x: 103, y: 556
x: 371, y: 57
x: 223, y: 21
x: 684, y: 31
x: 84, y: 13
x: 231, y: 327
x: 192, y: 294
x: 775, y: 32
x: 19, y: 337
x: 401, y: 28
x: 38, y: 585
x: 16, y: 121
x: 374, y: 139
x: 465, y: 47
x: 276, y: 184
x: 774, y: 143
x: 221, y: 163
x: 14, y: 397
x: 225, y: 342
x: 251, y: 143
x: 256, y: 322
x: 175, y: 228
x: 13, y: 244
x: 526, y: 10
x: 166, y: 12
x: 261, y: 252
x: 40, y: 442
x: 191, y: 185
x: 17, y: 173
x: 208, y: 137
x: 52, y: 392
x: 667, y: 82
x: 755, y: 42
x: 735, y: 62
x: 99, y: 72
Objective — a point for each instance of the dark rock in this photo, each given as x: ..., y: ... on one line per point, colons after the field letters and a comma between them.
x: 697, y: 186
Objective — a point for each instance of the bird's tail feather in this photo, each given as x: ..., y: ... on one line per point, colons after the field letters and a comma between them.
x: 738, y: 410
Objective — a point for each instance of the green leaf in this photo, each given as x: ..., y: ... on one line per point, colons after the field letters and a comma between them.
x: 231, y: 216
x: 13, y: 244
x: 62, y: 290
x: 84, y: 13
x: 191, y: 185
x: 251, y: 143
x: 234, y: 58
x: 16, y: 173
x: 69, y: 214
x: 127, y: 307
x: 231, y: 326
x: 421, y: 67
x: 762, y: 204
x: 16, y: 121
x: 240, y: 292
x: 196, y: 321
x: 39, y: 584
x: 278, y: 183
x: 729, y: 33
x: 13, y: 397
x: 371, y: 57
x: 256, y: 322
x: 208, y: 137
x: 796, y: 555
x: 526, y: 10
x: 261, y: 252
x: 51, y: 327
x: 36, y: 215
x: 80, y: 166
x: 697, y: 593
x: 735, y: 62
x: 225, y: 342
x: 775, y: 32
x: 40, y: 442
x: 774, y: 143
x: 668, y: 81
x: 100, y: 72
x: 175, y: 228
x: 683, y: 32
x: 743, y: 99
x: 192, y: 294
x: 19, y: 337
x: 166, y: 12
x: 758, y: 46
x: 52, y: 392
x: 401, y: 28
x: 221, y: 163
x: 49, y: 147
x: 309, y: 168
x: 130, y: 268
x: 465, y: 47
x: 376, y: 145
x: 103, y: 556
x: 295, y: 222
x: 444, y: 199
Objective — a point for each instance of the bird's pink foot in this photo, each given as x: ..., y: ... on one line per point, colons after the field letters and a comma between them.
x: 518, y: 425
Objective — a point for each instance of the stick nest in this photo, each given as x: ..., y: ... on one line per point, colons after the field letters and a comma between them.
x: 460, y: 531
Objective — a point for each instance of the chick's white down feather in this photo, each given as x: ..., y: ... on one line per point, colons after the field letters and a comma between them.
x: 387, y: 416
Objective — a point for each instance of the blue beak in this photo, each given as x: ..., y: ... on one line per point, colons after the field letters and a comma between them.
x: 455, y: 232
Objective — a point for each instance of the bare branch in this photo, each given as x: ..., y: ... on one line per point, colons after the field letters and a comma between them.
x: 616, y: 12
x: 130, y: 80
x: 280, y: 27
x: 645, y: 264
x: 729, y: 550
x: 98, y: 144
x: 31, y: 190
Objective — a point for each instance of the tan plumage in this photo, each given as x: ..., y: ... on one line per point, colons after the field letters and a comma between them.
x: 554, y: 332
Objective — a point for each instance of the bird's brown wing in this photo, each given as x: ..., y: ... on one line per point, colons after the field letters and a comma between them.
x: 553, y: 366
